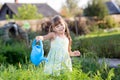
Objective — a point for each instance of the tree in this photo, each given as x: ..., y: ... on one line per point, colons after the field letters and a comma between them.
x: 27, y: 12
x: 70, y: 8
x: 96, y: 8
x: 64, y: 11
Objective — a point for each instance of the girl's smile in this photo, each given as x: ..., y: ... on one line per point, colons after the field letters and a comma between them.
x: 60, y: 28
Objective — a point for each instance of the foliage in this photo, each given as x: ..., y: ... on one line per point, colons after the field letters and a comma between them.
x: 13, y: 52
x: 85, y: 67
x: 108, y: 23
x: 70, y: 8
x: 64, y: 11
x: 96, y: 8
x: 31, y: 72
x: 90, y: 65
x: 47, y: 47
x: 110, y: 48
x: 117, y: 73
x: 26, y: 12
x: 93, y: 28
x: 7, y: 17
x: 82, y: 29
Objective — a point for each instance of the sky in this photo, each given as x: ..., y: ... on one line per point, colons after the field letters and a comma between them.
x: 55, y: 4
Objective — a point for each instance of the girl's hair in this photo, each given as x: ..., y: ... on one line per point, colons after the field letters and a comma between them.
x: 57, y: 20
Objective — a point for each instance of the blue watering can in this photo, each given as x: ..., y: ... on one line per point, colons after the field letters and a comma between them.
x: 37, y: 53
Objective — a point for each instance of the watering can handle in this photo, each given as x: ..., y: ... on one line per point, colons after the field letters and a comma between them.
x: 34, y: 43
x: 41, y: 44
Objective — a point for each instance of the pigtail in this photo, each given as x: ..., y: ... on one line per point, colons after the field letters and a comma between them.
x: 67, y: 33
x: 50, y: 28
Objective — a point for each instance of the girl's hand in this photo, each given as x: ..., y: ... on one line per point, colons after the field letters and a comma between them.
x: 39, y: 38
x: 76, y: 53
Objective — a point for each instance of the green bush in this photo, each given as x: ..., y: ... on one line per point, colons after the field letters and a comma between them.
x: 2, y: 58
x: 93, y: 28
x: 108, y: 23
x: 28, y: 12
x: 46, y: 47
x: 104, y: 46
x: 78, y: 28
x: 96, y: 8
x: 14, y: 52
x: 90, y: 65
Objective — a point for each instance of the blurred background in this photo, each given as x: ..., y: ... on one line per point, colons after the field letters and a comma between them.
x: 94, y: 27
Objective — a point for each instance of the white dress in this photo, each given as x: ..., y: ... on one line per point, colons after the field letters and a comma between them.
x: 58, y: 57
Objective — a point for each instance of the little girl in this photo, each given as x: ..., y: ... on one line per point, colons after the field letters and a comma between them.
x: 60, y: 51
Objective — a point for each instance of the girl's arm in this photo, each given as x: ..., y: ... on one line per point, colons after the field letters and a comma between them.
x: 73, y: 53
x: 49, y: 36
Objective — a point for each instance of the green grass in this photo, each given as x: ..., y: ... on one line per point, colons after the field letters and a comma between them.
x: 104, y: 45
x: 100, y: 34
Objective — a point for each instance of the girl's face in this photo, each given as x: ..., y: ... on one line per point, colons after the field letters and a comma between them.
x: 60, y: 28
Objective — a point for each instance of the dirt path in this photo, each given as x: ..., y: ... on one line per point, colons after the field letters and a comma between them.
x: 111, y: 62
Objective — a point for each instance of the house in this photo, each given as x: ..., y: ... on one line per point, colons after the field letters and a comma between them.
x: 113, y: 8
x: 12, y: 9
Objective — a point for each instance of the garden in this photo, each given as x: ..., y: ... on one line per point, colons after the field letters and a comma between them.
x: 15, y: 61
x: 96, y: 38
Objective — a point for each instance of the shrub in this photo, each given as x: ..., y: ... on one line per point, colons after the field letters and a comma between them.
x: 46, y: 47
x: 28, y: 12
x: 104, y: 46
x: 96, y: 8
x: 93, y: 28
x: 14, y: 52
x: 108, y: 23
x: 78, y: 28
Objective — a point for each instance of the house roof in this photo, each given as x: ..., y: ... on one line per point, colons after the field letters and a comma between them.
x: 43, y: 8
x: 113, y: 8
